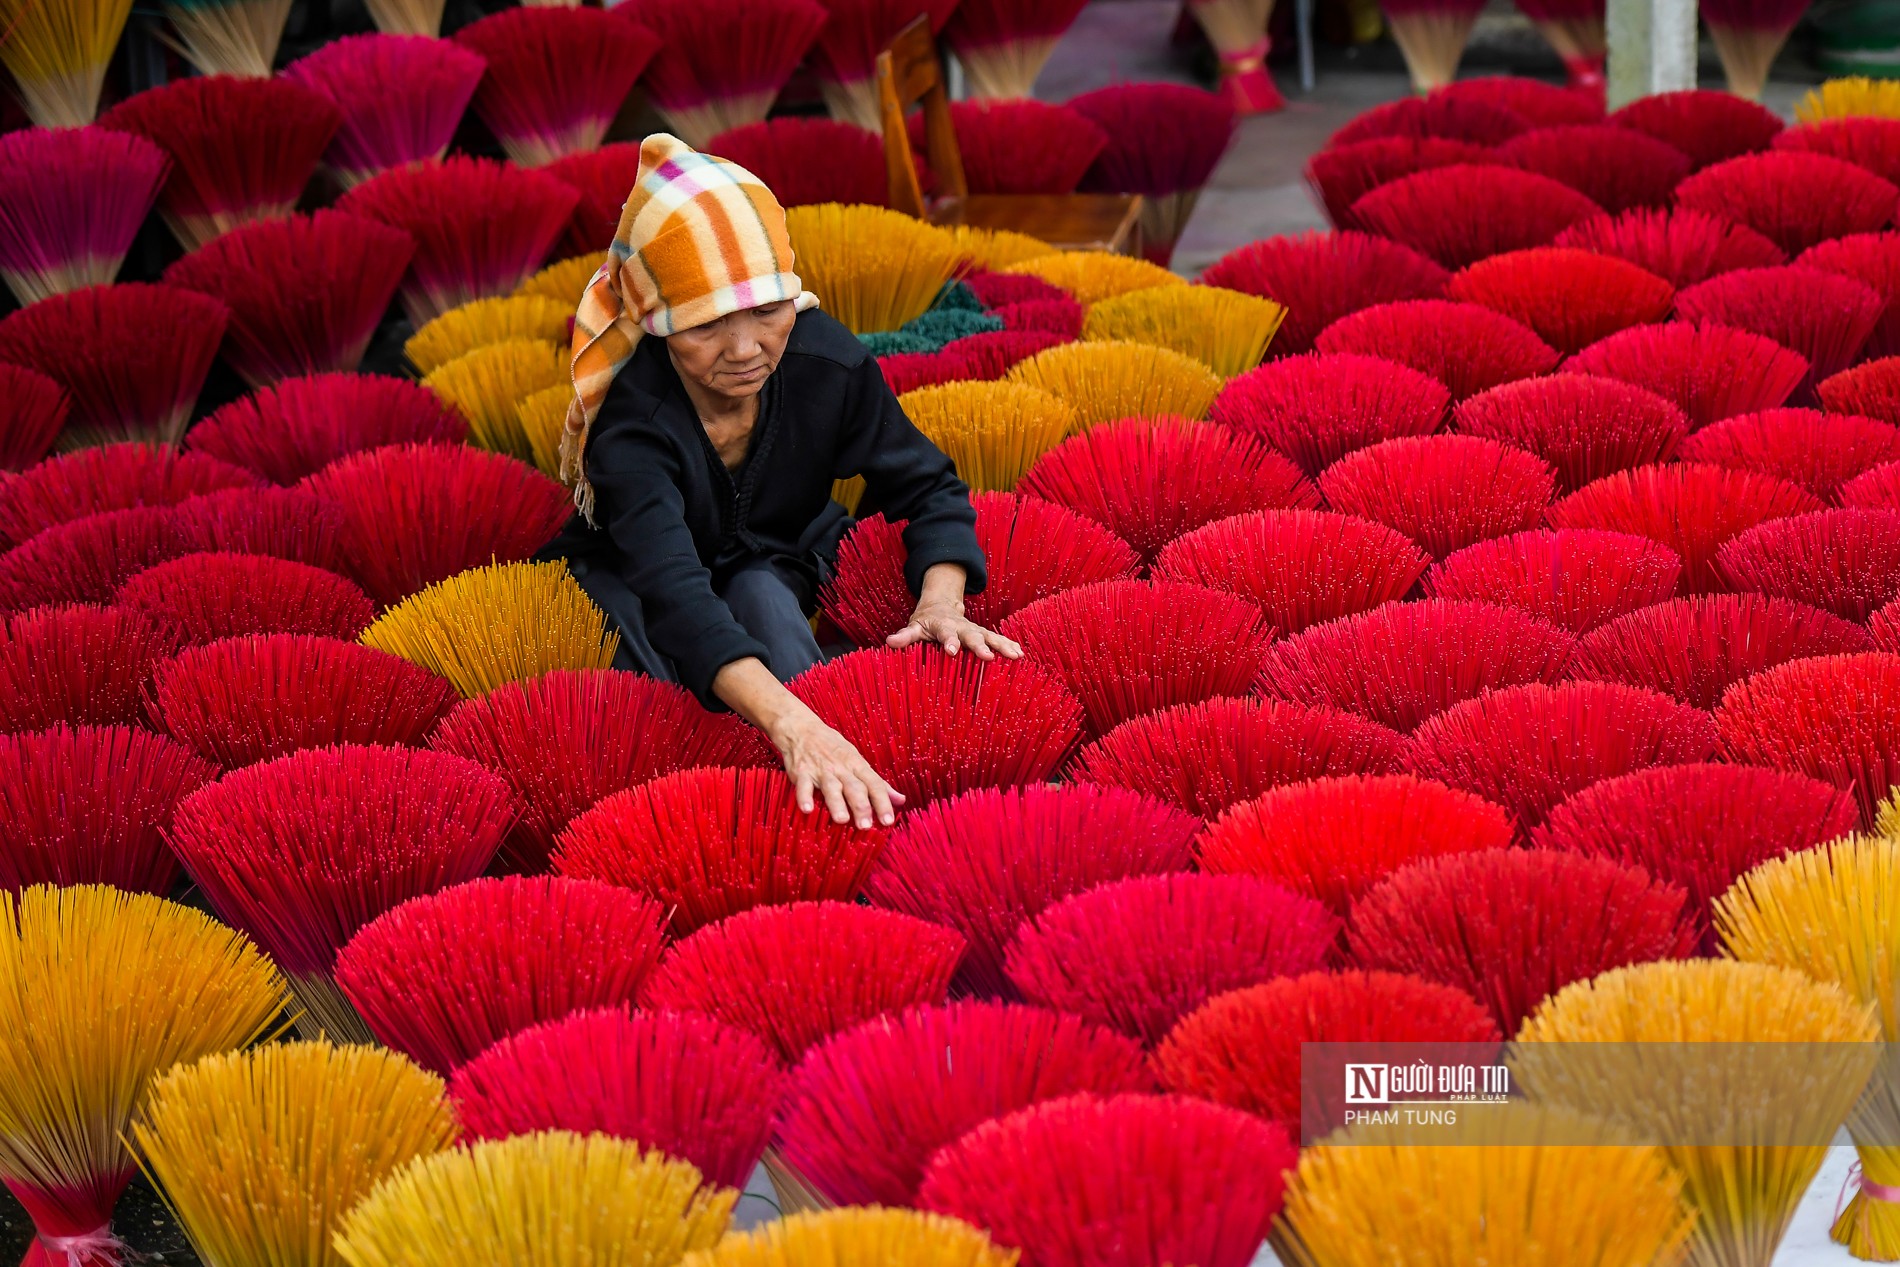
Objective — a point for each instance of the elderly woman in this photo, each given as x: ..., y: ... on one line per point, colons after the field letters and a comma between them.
x: 703, y: 461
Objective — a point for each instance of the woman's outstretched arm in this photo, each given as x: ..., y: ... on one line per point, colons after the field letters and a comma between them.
x: 820, y: 761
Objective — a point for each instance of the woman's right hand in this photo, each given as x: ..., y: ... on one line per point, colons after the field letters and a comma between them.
x: 822, y: 762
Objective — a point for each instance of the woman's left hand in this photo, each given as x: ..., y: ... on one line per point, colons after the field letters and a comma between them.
x: 945, y: 625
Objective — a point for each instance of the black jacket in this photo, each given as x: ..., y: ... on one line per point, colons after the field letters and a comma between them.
x: 676, y: 523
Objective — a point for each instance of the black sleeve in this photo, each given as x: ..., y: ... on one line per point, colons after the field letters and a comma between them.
x: 908, y: 477
x: 646, y: 516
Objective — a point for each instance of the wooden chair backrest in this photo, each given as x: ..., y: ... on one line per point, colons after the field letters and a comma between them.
x: 909, y: 74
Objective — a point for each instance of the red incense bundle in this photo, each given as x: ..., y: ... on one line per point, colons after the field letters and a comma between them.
x: 1320, y: 277
x: 987, y: 860
x: 1818, y: 451
x: 1164, y: 142
x: 1873, y: 259
x: 242, y: 700
x: 305, y: 293
x: 1709, y: 371
x: 1707, y: 126
x: 1863, y: 140
x: 1570, y: 298
x: 1053, y: 316
x: 1431, y: 211
x: 401, y: 97
x: 1680, y: 246
x: 1449, y: 115
x: 846, y: 51
x: 86, y: 561
x: 1696, y: 648
x: 1237, y: 30
x: 1575, y: 29
x: 1342, y: 174
x: 1842, y: 561
x: 721, y: 63
x: 90, y: 805
x: 36, y: 410
x: 113, y: 477
x: 71, y: 201
x: 80, y: 664
x: 991, y: 354
x: 445, y: 976
x: 1466, y: 347
x: 1832, y: 717
x: 1445, y: 492
x: 806, y: 161
x: 241, y: 149
x: 1021, y: 147
x: 1318, y: 408
x: 1825, y: 317
x: 1585, y: 427
x: 1609, y: 166
x: 1748, y: 34
x: 283, y: 523
x: 1404, y: 662
x: 1206, y: 757
x: 711, y: 842
x: 1871, y: 390
x: 1002, y: 44
x: 301, y: 425
x: 556, y: 76
x: 868, y: 1107
x: 1540, y: 104
x: 907, y: 371
x: 1793, y: 198
x: 1576, y: 580
x: 201, y: 598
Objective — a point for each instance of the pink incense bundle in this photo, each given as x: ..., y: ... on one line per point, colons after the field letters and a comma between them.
x: 1748, y: 35
x: 616, y: 730
x: 1138, y: 955
x: 1002, y: 44
x: 993, y: 353
x: 401, y: 97
x: 86, y: 561
x: 1699, y: 826
x: 242, y: 700
x: 1486, y: 923
x: 1576, y: 580
x: 1871, y: 389
x: 1540, y: 104
x: 302, y: 851
x: 1332, y: 839
x: 1173, y: 1180
x: 1149, y: 481
x: 481, y: 227
x: 204, y: 597
x: 305, y: 293
x: 681, y: 1083
x: 301, y: 425
x: 1021, y: 147
x: 1320, y: 277
x: 1318, y: 408
x: 1061, y: 317
x: 1529, y: 747
x: 1680, y: 246
x: 935, y: 725
x: 1818, y: 451
x: 907, y: 371
x: 1342, y: 174
x: 1874, y: 260
x: 1032, y: 549
x: 241, y: 149
x: 1877, y: 489
x: 1691, y: 507
x: 79, y: 664
x: 1793, y: 198
x: 1608, y: 165
x: 283, y: 523
x: 1863, y: 140
x: 1206, y: 757
x: 556, y: 76
x: 1445, y: 492
x: 806, y: 160
x: 36, y: 410
x: 1575, y: 30
x: 1585, y: 427
x: 443, y: 977
x: 1708, y: 126
x: 832, y: 965
x: 1461, y: 214
x: 1451, y: 116
x: 1300, y: 566
x: 114, y: 477
x: 131, y: 358
x: 416, y: 514
x: 1569, y: 297
x: 846, y: 51
x: 1696, y: 648
x: 1404, y: 662
x: 90, y: 805
x: 1000, y: 290
x: 711, y: 842
x: 721, y: 63
x: 71, y: 201
x: 1164, y: 142
x: 985, y: 861
x: 1709, y: 371
x: 1466, y: 347
x: 1243, y: 1049
x: 868, y: 1107
x: 1128, y: 648
x: 1843, y: 561
x: 1835, y: 718
x: 1825, y: 317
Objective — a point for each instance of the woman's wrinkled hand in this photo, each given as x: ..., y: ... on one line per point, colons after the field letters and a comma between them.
x: 822, y: 762
x: 946, y: 625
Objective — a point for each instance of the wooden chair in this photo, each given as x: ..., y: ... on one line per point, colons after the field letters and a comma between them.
x: 908, y: 73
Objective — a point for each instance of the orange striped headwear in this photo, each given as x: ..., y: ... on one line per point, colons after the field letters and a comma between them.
x: 699, y: 238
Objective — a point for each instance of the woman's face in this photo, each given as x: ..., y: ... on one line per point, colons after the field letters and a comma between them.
x: 734, y: 355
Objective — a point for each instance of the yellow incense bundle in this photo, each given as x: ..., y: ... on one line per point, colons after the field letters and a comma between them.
x: 542, y: 418
x: 485, y: 386
x: 489, y: 626
x: 485, y: 322
x: 302, y: 1132
x: 1834, y: 914
x: 1104, y: 382
x: 58, y: 54
x: 564, y: 280
x: 871, y: 268
x: 1222, y: 329
x: 993, y: 431
x: 1846, y: 98
x: 858, y: 1236
x: 1092, y: 276
x: 1741, y: 1072
x: 1521, y: 1184
x: 991, y: 249
x: 553, y: 1199
x: 99, y: 991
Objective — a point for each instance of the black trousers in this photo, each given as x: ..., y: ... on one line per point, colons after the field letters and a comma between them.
x: 758, y: 594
